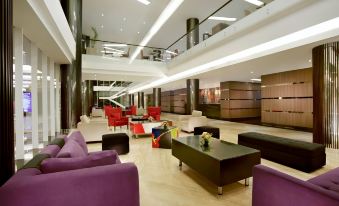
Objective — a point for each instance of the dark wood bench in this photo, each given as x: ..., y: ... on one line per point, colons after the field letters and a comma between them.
x: 304, y: 156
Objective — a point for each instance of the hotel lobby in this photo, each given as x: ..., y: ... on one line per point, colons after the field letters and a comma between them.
x: 169, y: 102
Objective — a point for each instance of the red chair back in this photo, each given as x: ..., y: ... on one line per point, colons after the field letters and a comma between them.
x: 133, y: 110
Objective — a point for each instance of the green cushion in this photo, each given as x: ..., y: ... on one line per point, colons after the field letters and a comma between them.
x: 58, y: 141
x: 35, y: 162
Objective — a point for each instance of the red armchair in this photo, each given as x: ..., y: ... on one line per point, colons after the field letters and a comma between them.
x: 115, y: 118
x: 107, y: 109
x: 132, y: 110
x: 154, y: 112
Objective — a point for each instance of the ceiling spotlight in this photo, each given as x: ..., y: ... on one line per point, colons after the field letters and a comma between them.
x: 310, y: 60
x: 102, y: 14
x: 252, y: 72
x: 255, y: 2
x: 220, y: 18
x: 138, y: 32
x: 146, y: 2
x: 102, y: 26
x: 121, y: 29
x: 124, y: 19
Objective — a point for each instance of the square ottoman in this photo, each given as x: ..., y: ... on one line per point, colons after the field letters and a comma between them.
x: 213, y: 130
x: 117, y: 141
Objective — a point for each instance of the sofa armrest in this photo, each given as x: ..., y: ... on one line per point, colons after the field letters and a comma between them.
x: 273, y: 188
x: 116, y: 184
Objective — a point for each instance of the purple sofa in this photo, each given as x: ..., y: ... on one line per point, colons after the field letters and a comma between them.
x: 110, y: 184
x: 273, y: 188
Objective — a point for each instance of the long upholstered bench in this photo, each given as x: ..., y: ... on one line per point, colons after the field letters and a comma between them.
x: 304, y: 156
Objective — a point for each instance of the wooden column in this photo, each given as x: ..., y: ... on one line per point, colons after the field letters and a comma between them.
x: 6, y: 92
x: 325, y: 94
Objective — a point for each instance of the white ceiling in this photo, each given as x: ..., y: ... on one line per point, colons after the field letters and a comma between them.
x: 132, y: 17
x: 292, y: 59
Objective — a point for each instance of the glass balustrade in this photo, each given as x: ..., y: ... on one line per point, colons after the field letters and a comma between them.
x: 221, y: 19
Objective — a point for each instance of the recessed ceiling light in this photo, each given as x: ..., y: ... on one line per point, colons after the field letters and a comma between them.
x: 124, y: 19
x: 278, y: 44
x: 121, y: 29
x: 115, y: 45
x: 252, y: 72
x: 164, y: 16
x: 255, y: 2
x: 144, y: 22
x: 310, y: 60
x: 146, y: 2
x: 102, y: 14
x: 220, y: 18
x: 256, y: 80
x: 138, y: 32
x: 102, y: 26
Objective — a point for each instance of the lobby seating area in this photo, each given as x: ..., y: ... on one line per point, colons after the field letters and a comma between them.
x: 70, y: 175
x: 169, y: 103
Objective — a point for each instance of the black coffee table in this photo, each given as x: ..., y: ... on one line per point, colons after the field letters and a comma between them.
x: 139, y: 118
x: 222, y: 162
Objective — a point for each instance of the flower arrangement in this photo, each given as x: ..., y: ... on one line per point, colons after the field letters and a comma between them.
x: 165, y: 124
x: 205, y: 139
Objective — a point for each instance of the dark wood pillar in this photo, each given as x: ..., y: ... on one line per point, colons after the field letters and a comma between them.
x: 141, y: 99
x: 325, y: 94
x: 157, y: 97
x: 73, y: 12
x: 192, y: 95
x: 6, y: 93
x: 192, y: 28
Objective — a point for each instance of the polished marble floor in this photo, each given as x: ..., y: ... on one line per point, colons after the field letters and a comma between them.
x: 162, y: 183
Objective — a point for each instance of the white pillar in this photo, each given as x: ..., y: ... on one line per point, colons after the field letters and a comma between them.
x: 57, y: 97
x: 52, y: 98
x: 44, y: 99
x: 19, y: 116
x: 34, y: 92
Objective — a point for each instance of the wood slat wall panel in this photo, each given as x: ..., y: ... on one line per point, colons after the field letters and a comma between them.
x: 287, y: 98
x: 240, y: 99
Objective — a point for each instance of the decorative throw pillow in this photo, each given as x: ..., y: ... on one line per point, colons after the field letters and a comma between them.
x: 71, y: 149
x: 92, y: 160
x: 77, y: 136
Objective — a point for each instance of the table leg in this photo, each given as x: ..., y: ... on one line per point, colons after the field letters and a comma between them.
x: 219, y: 190
x: 247, y: 182
x: 180, y: 164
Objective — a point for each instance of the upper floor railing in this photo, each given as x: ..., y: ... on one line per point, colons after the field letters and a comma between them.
x: 225, y: 16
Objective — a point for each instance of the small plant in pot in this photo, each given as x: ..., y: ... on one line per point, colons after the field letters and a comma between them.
x: 205, y: 139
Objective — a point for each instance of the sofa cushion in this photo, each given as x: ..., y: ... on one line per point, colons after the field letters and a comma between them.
x: 71, y: 149
x: 35, y: 162
x: 60, y: 141
x: 51, y: 150
x: 196, y: 113
x: 79, y: 138
x: 92, y: 160
x: 85, y: 119
x: 328, y: 181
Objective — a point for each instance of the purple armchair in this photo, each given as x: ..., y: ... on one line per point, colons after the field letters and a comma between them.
x: 273, y: 188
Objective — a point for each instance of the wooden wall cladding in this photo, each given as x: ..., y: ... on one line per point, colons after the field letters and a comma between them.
x: 287, y: 98
x: 240, y: 100
x: 179, y: 101
x: 174, y: 101
x: 167, y: 101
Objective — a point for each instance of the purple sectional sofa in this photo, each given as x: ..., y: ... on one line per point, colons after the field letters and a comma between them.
x: 97, y: 178
x: 273, y: 188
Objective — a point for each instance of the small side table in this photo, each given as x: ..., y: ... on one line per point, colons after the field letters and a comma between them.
x: 162, y: 137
